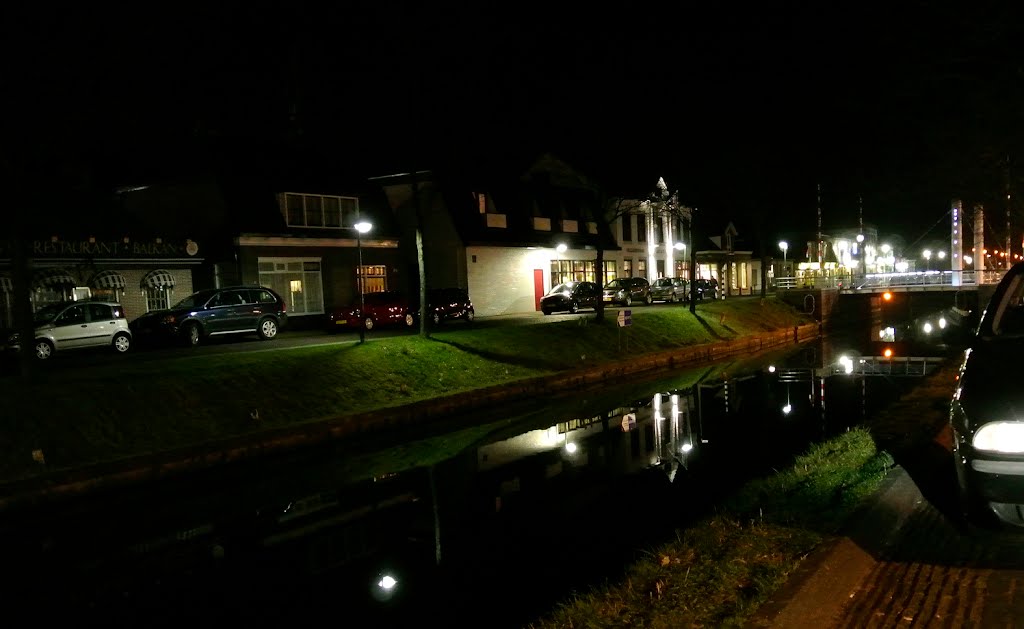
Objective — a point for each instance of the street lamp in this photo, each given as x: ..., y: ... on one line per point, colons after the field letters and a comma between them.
x: 559, y: 250
x: 785, y: 247
x: 680, y: 246
x: 361, y: 228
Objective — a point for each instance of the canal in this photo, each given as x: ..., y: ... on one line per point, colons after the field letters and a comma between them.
x: 490, y: 525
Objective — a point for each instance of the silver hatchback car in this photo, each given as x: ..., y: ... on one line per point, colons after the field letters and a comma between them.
x: 77, y: 325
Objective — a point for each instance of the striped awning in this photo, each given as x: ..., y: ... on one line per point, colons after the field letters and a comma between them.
x: 158, y: 278
x: 49, y: 278
x: 108, y: 279
x: 6, y: 285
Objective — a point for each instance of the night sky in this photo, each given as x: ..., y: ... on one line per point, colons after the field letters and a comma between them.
x: 744, y: 111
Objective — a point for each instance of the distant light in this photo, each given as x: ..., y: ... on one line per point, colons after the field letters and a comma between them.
x: 387, y: 582
x: 860, y: 237
x: 362, y: 227
x: 570, y: 448
x: 887, y: 353
x: 687, y: 447
x: 787, y: 408
x: 927, y: 327
x: 771, y: 368
x: 887, y: 296
x: 942, y: 322
x: 680, y: 246
x: 561, y: 247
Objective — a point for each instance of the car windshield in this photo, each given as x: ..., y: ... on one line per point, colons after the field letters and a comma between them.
x: 195, y: 300
x: 616, y: 284
x: 663, y: 282
x: 565, y: 287
x: 46, y: 314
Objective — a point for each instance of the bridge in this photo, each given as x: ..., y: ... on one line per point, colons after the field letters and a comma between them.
x: 930, y: 281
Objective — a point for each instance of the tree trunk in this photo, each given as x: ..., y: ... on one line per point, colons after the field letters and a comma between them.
x: 423, y: 282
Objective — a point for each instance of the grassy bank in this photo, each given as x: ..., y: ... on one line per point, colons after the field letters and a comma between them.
x: 717, y: 573
x: 75, y: 418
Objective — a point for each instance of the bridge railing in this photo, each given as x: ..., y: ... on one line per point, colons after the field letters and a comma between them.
x: 910, y: 279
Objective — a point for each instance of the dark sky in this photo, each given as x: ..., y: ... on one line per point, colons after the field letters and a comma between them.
x: 743, y: 110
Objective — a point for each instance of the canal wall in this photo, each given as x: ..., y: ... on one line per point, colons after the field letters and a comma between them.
x: 418, y: 414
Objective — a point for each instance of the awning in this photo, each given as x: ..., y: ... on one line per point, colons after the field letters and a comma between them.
x: 49, y: 278
x: 6, y: 285
x: 158, y: 278
x: 108, y: 279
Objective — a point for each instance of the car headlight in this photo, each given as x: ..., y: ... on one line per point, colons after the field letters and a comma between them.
x: 14, y: 338
x: 1007, y: 437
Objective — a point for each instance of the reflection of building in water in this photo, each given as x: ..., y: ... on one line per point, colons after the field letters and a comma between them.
x: 627, y: 439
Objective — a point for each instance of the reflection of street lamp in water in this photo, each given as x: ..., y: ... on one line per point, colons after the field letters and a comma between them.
x: 361, y: 228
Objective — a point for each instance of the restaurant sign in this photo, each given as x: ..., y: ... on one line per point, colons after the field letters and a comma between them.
x: 118, y: 248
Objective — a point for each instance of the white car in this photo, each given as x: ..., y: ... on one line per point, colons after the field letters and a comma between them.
x: 76, y: 325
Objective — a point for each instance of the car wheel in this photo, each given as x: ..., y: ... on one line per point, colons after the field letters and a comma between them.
x: 368, y: 323
x: 410, y: 320
x: 545, y: 311
x: 648, y: 299
x: 43, y: 349
x: 574, y: 307
x: 267, y: 329
x: 122, y: 343
x: 435, y: 319
x: 470, y: 315
x: 628, y: 301
x: 193, y: 334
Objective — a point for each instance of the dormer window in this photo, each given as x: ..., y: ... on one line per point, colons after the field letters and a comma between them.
x: 317, y: 210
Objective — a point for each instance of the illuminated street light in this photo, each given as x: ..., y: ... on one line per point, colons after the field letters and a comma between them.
x: 927, y: 253
x: 561, y: 247
x: 361, y: 228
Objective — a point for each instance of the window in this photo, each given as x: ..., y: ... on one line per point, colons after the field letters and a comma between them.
x: 100, y: 312
x: 641, y: 228
x: 317, y: 210
x: 627, y: 267
x: 373, y: 278
x: 577, y: 270
x: 72, y: 316
x: 627, y: 228
x: 298, y: 280
x: 641, y: 268
x: 158, y: 298
x: 609, y: 272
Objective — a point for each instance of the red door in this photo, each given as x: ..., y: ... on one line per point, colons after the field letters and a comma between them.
x: 538, y: 287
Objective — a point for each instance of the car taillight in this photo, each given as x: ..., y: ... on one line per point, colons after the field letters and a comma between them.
x: 284, y: 307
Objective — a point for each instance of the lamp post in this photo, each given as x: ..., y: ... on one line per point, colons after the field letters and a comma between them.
x: 680, y: 246
x: 559, y: 250
x: 361, y: 228
x: 785, y: 247
x: 927, y: 253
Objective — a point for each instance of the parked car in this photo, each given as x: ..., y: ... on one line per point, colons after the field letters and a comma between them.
x: 77, y: 325
x: 670, y: 289
x: 448, y: 303
x: 215, y: 312
x: 385, y: 308
x: 987, y: 412
x: 624, y: 291
x: 706, y: 288
x: 570, y: 297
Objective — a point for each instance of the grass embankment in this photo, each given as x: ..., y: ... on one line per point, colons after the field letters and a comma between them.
x: 717, y: 573
x: 80, y: 417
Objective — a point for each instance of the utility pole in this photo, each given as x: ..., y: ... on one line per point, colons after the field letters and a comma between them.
x: 1008, y: 251
x: 820, y: 243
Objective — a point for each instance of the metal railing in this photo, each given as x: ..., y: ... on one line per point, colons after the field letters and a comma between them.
x: 908, y: 280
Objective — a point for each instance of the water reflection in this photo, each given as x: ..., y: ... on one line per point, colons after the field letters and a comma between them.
x: 489, y: 525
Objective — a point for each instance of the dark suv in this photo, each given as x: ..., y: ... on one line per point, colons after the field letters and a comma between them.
x: 215, y: 312
x: 449, y: 303
x: 624, y: 291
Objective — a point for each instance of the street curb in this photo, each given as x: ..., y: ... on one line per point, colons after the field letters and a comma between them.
x: 36, y: 490
x: 826, y: 580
